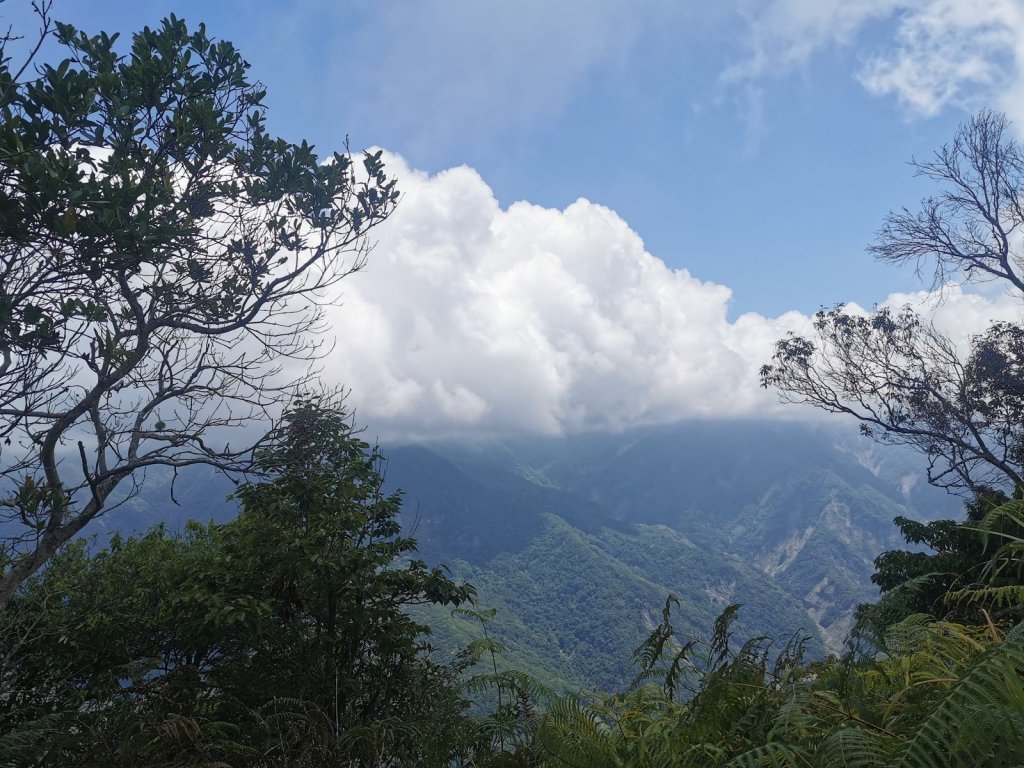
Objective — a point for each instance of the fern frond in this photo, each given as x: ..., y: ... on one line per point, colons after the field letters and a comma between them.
x: 25, y: 744
x: 574, y: 735
x: 855, y: 747
x: 721, y: 635
x: 979, y: 720
x: 479, y: 614
x: 483, y: 646
x: 1008, y: 515
x: 772, y: 755
x: 651, y: 649
x: 995, y: 597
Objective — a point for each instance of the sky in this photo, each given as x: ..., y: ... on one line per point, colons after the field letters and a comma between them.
x: 611, y: 209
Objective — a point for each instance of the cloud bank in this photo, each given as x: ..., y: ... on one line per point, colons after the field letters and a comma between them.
x: 470, y: 318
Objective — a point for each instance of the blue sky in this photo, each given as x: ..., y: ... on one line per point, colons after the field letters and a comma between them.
x: 755, y: 145
x: 771, y: 186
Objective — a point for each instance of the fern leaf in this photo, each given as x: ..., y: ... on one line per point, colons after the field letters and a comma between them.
x: 979, y: 721
x: 771, y: 755
x: 855, y: 747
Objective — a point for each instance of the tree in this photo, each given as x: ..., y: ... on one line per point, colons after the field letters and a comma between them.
x: 279, y: 638
x: 959, y: 558
x: 160, y: 256
x: 901, y: 377
x: 969, y: 230
x: 339, y: 569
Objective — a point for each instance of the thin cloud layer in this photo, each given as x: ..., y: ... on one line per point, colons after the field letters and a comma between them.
x: 469, y: 71
x: 782, y: 35
x: 966, y: 53
x: 475, y: 319
x: 929, y: 54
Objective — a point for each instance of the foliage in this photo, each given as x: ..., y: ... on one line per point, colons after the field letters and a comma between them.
x: 941, y: 695
x: 280, y: 638
x: 950, y: 578
x: 157, y: 252
x: 999, y: 586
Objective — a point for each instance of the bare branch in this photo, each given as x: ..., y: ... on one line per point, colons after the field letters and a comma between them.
x: 967, y: 231
x: 905, y: 382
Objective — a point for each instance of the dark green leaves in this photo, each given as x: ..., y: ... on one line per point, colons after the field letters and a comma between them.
x: 296, y: 609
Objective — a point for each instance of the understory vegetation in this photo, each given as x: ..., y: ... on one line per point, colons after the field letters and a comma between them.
x: 144, y: 310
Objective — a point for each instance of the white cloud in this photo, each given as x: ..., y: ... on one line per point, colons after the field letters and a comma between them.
x: 966, y: 53
x: 470, y: 317
x: 961, y: 314
x: 929, y: 54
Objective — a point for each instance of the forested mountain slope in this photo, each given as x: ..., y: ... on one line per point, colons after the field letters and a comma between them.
x: 575, y: 589
x: 578, y: 540
x: 785, y: 518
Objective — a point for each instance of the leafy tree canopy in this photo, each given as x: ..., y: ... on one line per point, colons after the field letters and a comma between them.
x: 280, y: 638
x: 159, y: 251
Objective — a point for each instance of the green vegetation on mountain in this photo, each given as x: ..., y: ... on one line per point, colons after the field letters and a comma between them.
x: 602, y: 622
x: 572, y: 605
x: 805, y: 533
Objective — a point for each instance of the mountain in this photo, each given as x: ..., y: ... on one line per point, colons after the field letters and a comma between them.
x: 804, y: 508
x: 575, y: 589
x: 577, y: 541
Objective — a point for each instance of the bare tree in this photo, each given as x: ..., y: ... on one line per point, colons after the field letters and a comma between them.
x: 161, y: 260
x: 894, y: 371
x: 971, y: 229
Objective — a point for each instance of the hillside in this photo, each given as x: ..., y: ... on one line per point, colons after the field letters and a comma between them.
x: 809, y: 508
x: 577, y: 541
x: 575, y: 590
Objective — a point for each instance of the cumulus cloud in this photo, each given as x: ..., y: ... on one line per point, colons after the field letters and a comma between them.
x: 929, y: 54
x: 961, y: 314
x: 474, y: 318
